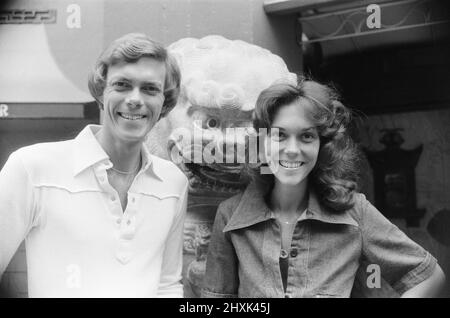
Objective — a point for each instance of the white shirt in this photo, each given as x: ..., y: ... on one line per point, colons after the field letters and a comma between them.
x: 79, y: 242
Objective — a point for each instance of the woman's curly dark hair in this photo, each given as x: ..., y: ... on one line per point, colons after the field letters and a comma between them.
x: 334, y: 177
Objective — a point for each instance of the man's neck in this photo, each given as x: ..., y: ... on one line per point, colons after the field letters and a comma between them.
x: 125, y: 156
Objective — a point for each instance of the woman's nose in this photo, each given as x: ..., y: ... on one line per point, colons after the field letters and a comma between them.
x: 292, y: 147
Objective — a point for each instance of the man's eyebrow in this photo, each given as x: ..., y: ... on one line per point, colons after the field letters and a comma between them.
x: 152, y: 83
x: 122, y: 78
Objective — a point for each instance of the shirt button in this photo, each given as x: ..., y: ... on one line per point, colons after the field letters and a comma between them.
x: 287, y: 296
x: 102, y: 179
x: 113, y: 198
x: 133, y: 199
x: 294, y: 252
x: 118, y: 221
x: 128, y: 222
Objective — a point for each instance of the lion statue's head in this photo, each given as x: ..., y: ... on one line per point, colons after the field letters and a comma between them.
x: 221, y: 81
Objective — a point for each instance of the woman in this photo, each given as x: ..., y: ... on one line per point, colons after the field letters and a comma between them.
x: 304, y: 231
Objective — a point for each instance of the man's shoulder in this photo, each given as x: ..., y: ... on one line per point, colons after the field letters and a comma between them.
x: 45, y: 163
x: 45, y: 154
x: 168, y: 171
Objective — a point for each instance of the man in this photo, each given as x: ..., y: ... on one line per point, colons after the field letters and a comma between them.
x: 100, y: 215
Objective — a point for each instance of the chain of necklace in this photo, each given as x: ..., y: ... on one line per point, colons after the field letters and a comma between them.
x: 128, y: 172
x: 290, y: 222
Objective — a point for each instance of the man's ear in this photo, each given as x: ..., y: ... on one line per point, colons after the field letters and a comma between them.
x: 100, y: 102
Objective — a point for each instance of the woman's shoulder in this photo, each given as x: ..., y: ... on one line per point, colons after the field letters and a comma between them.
x: 243, y: 208
x: 227, y: 206
x: 359, y: 200
x: 362, y: 208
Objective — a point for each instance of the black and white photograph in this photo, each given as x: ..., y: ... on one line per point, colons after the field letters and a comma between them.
x: 225, y: 149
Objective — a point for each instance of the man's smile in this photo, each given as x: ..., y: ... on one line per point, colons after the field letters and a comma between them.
x: 129, y: 116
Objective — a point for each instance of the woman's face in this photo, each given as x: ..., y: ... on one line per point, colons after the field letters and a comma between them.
x: 294, y: 143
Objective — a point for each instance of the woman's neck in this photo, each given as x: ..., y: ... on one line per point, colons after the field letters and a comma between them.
x: 288, y: 199
x: 124, y: 156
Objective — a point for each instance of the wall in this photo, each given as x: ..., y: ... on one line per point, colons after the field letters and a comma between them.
x: 170, y: 20
x: 432, y: 130
x: 403, y: 87
x: 76, y: 49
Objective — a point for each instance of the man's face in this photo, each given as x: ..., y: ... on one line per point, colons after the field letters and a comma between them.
x: 133, y: 98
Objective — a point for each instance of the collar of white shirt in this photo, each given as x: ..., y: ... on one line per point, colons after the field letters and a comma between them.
x: 88, y: 152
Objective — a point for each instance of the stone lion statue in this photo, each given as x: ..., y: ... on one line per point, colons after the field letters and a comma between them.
x: 221, y: 81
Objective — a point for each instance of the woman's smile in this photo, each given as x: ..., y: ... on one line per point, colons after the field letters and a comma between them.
x: 291, y: 164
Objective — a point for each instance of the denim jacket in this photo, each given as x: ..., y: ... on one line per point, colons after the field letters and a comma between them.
x: 327, y: 249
